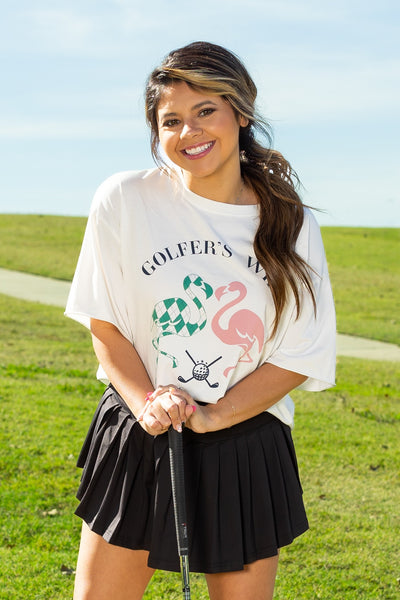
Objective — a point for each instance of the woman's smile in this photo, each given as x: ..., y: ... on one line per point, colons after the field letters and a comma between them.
x: 198, y: 151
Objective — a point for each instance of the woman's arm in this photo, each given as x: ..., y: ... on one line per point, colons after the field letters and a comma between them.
x: 127, y: 373
x: 248, y: 398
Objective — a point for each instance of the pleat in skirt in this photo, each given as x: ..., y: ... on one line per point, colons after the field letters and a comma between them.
x: 243, y: 493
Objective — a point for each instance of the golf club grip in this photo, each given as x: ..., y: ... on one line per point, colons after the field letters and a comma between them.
x: 178, y: 489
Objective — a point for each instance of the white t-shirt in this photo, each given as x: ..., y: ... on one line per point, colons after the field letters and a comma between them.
x: 176, y: 274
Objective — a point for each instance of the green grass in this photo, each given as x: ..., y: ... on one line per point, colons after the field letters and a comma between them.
x: 364, y: 266
x: 347, y: 441
x: 346, y: 438
x: 41, y: 244
x: 348, y: 445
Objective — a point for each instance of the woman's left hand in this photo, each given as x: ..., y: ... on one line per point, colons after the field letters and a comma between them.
x: 201, y: 420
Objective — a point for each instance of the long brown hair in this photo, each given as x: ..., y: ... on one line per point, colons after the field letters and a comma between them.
x: 212, y: 68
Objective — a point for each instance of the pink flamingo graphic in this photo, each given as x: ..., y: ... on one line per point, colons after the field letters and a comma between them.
x: 245, y: 328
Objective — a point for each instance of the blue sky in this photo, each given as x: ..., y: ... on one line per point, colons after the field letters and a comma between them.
x: 73, y: 72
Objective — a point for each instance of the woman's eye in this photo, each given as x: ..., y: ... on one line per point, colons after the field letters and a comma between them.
x: 206, y: 111
x: 170, y: 123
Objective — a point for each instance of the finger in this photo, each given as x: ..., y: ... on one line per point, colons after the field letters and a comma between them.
x: 173, y: 400
x: 190, y: 409
x: 153, y: 432
x: 170, y: 411
x: 180, y: 402
x: 160, y: 412
x: 165, y: 389
x: 153, y: 425
x: 176, y: 418
x: 160, y: 390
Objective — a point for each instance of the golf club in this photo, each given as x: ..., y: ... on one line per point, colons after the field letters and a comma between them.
x: 178, y: 496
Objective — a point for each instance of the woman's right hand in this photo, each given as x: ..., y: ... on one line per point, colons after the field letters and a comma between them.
x: 166, y: 406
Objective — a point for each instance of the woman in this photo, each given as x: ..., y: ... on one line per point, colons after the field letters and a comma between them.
x: 205, y: 288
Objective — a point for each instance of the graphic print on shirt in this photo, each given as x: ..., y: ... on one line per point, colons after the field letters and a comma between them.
x: 244, y: 329
x: 174, y: 316
x: 200, y: 371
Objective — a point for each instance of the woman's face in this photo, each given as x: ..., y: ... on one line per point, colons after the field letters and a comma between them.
x: 199, y: 132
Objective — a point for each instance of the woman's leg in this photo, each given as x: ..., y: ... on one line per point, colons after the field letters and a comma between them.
x: 255, y: 582
x: 105, y: 571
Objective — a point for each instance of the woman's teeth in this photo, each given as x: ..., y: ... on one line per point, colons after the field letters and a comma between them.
x: 198, y: 149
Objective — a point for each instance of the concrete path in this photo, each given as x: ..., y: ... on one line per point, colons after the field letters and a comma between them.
x: 348, y: 345
x: 55, y: 292
x: 34, y: 287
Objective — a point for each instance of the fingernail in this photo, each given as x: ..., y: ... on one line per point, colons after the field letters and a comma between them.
x: 179, y: 428
x: 194, y: 408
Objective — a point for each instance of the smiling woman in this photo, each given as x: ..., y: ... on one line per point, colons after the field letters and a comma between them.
x: 200, y: 134
x: 205, y: 286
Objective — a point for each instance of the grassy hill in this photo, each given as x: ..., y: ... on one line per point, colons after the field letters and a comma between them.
x: 347, y: 446
x: 364, y: 266
x: 41, y: 244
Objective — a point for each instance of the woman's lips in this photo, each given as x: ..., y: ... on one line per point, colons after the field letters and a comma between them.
x: 198, y: 151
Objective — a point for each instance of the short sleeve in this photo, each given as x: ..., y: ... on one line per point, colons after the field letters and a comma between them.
x: 307, y: 344
x: 97, y: 287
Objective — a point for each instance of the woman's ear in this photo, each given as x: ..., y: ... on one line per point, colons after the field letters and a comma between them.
x: 243, y: 121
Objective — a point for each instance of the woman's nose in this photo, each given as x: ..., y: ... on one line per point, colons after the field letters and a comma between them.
x: 190, y: 129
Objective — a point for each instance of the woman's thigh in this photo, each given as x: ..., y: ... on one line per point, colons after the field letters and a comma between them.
x: 105, y: 571
x: 255, y: 582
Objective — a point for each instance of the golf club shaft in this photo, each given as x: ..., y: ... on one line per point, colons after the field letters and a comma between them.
x: 178, y: 496
x: 185, y: 577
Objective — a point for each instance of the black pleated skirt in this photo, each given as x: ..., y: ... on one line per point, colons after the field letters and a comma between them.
x: 243, y: 494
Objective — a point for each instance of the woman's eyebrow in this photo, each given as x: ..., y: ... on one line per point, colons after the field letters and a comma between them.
x: 200, y: 104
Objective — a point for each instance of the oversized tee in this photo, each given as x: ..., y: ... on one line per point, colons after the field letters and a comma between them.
x: 177, y: 275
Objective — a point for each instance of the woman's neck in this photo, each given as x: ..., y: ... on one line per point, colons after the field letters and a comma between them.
x: 227, y: 192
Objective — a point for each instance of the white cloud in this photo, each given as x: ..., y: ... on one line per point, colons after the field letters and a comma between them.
x: 352, y: 201
x: 107, y: 27
x: 308, y: 11
x: 330, y: 88
x: 66, y: 30
x: 84, y: 129
x: 101, y: 30
x: 295, y: 10
x: 98, y: 100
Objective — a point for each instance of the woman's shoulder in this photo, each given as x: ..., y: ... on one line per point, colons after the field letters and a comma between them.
x: 125, y: 185
x: 119, y: 182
